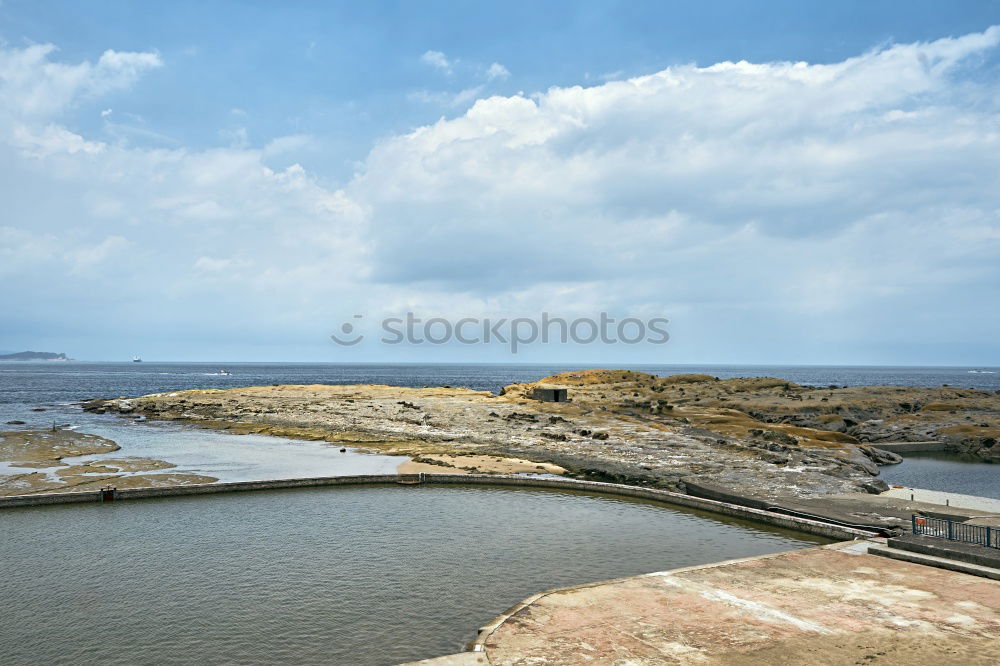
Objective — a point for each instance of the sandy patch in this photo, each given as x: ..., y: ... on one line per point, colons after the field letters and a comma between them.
x: 473, y: 464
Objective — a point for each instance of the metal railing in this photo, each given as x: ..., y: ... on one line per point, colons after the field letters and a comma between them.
x: 981, y: 535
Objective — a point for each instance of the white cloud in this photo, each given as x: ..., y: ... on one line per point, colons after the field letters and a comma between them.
x: 450, y: 99
x: 785, y: 207
x: 437, y: 60
x: 217, y: 265
x: 125, y: 134
x: 236, y: 137
x: 86, y: 221
x: 89, y: 256
x: 292, y: 143
x: 73, y: 255
x: 34, y: 86
x: 50, y: 140
x: 790, y: 192
x: 465, y: 96
x: 497, y: 71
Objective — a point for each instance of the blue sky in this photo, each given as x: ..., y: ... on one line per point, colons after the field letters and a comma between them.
x: 233, y: 180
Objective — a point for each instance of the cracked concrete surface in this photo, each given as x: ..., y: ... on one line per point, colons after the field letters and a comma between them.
x: 828, y: 605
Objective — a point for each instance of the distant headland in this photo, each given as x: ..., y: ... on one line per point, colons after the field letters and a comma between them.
x: 34, y: 356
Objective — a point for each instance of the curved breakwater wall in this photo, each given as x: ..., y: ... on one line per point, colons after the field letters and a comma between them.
x: 724, y: 508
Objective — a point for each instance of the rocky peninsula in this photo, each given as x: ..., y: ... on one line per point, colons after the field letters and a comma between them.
x: 763, y: 439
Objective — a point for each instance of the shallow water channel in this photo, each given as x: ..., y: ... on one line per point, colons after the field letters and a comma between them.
x: 347, y: 575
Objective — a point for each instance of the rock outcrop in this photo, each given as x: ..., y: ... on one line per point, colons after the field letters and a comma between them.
x: 764, y: 437
x: 44, y: 450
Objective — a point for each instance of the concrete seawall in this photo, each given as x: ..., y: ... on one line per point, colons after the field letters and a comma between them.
x: 724, y: 508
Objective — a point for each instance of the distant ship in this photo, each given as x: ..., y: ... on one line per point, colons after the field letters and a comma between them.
x: 136, y: 359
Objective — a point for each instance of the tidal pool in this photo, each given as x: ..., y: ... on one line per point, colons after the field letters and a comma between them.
x: 347, y: 575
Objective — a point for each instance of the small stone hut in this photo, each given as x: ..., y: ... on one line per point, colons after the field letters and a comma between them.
x: 550, y: 394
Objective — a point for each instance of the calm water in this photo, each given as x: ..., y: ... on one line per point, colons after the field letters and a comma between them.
x: 951, y: 472
x: 374, y: 575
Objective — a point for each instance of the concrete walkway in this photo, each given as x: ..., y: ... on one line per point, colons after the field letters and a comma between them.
x: 830, y: 605
x: 954, y: 500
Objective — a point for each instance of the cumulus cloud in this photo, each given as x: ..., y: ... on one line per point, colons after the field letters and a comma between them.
x: 802, y: 192
x: 33, y: 85
x: 773, y: 211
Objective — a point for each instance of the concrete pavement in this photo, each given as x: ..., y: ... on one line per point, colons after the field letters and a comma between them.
x: 829, y: 605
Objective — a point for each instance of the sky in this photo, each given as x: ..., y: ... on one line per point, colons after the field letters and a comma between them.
x: 785, y: 182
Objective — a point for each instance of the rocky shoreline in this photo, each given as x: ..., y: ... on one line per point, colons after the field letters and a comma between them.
x: 760, y: 437
x: 44, y: 451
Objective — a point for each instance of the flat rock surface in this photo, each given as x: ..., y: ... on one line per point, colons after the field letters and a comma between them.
x: 43, y: 450
x: 619, y: 426
x: 48, y: 447
x: 829, y: 605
